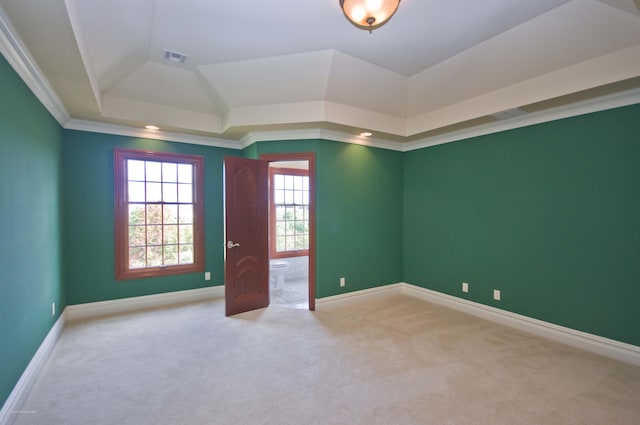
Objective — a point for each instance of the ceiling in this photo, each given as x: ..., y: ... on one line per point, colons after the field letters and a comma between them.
x: 285, y: 68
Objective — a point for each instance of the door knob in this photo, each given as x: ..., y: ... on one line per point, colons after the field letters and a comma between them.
x: 230, y: 244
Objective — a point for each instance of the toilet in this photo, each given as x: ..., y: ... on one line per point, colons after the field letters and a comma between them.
x: 277, y: 272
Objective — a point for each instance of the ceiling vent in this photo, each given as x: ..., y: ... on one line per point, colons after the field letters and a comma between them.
x: 509, y: 113
x: 174, y: 57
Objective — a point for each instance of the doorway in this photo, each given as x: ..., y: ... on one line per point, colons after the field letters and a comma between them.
x: 292, y: 229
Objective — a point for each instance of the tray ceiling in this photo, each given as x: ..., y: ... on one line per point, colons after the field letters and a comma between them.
x: 286, y: 65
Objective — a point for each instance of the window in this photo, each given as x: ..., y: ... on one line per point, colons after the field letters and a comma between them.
x: 289, y: 212
x: 159, y: 213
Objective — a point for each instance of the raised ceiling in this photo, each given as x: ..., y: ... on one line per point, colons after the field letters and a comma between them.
x: 263, y: 67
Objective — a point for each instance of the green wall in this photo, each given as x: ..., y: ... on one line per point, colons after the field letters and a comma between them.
x: 29, y: 226
x: 358, y: 213
x: 548, y: 214
x: 359, y: 210
x: 87, y: 162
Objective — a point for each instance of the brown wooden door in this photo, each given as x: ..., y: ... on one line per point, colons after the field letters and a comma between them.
x: 246, y: 234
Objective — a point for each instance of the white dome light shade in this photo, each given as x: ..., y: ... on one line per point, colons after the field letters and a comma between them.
x: 369, y: 14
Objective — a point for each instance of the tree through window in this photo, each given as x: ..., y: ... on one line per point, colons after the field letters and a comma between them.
x: 159, y: 213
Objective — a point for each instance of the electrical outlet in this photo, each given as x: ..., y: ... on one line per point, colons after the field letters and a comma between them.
x: 207, y: 275
x: 342, y: 281
x: 465, y: 287
x: 496, y: 294
x: 53, y: 309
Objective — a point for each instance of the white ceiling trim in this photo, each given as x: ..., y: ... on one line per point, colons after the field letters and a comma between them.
x: 121, y: 130
x: 319, y: 133
x: 314, y: 111
x: 618, y: 100
x: 153, y: 113
x: 620, y: 65
x: 630, y: 97
x: 20, y: 59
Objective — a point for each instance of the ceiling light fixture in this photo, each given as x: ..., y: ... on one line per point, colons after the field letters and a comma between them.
x: 152, y: 127
x: 369, y: 14
x: 366, y: 134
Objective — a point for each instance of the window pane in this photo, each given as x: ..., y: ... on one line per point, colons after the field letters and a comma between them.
x: 136, y: 214
x: 290, y: 228
x: 305, y: 198
x: 280, y: 213
x: 137, y: 258
x: 186, y: 214
x: 137, y: 236
x: 280, y: 228
x: 278, y: 197
x: 186, y: 234
x: 154, y: 214
x: 290, y: 243
x: 135, y: 170
x: 185, y: 193
x: 154, y: 235
x: 288, y: 182
x: 288, y: 197
x: 297, y: 183
x: 169, y: 172
x: 305, y: 182
x: 170, y: 234
x: 136, y: 192
x: 169, y: 192
x: 280, y: 244
x: 185, y: 173
x: 154, y: 192
x: 154, y: 256
x: 154, y: 171
x: 170, y: 214
x: 300, y: 213
x: 290, y: 213
x: 278, y: 181
x: 170, y: 255
x: 297, y: 197
x: 186, y: 254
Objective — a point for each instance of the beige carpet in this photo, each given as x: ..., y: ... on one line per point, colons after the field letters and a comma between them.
x: 392, y: 361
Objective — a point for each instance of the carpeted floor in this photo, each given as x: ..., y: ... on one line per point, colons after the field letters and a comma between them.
x: 392, y: 360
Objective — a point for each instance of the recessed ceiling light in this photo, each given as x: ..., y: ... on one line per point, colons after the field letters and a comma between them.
x: 366, y: 134
x: 152, y: 127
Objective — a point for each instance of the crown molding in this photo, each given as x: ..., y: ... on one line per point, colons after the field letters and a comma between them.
x: 318, y: 133
x: 617, y: 100
x: 25, y: 66
x: 122, y: 130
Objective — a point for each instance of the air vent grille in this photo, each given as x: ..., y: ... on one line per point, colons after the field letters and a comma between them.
x: 174, y: 57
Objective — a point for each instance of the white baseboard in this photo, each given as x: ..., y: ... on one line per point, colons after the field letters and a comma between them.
x: 11, y: 408
x: 611, y: 348
x: 130, y: 305
x: 617, y: 350
x: 336, y: 300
